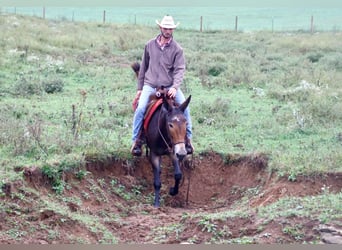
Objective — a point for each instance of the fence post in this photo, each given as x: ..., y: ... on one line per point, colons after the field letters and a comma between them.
x: 104, y: 16
x: 312, y: 25
x: 43, y: 12
x: 272, y: 24
x: 236, y: 23
x: 201, y: 23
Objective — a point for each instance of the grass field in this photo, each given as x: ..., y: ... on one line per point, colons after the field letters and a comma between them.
x: 66, y: 89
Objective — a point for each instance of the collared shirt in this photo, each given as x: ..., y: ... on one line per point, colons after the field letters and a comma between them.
x: 162, y: 46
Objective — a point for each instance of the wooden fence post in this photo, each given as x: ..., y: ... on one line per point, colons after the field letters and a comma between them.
x: 201, y: 23
x: 104, y: 16
x: 312, y: 25
x: 43, y: 12
x: 236, y: 23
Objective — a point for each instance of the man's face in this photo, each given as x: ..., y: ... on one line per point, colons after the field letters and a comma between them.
x: 166, y: 33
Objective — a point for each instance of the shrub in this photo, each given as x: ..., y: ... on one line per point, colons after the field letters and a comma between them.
x: 53, y: 86
x: 215, y: 70
x: 27, y: 87
x: 314, y: 57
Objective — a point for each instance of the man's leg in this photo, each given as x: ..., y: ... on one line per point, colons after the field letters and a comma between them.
x: 139, y: 118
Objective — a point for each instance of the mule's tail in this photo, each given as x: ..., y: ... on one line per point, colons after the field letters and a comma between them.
x: 136, y: 67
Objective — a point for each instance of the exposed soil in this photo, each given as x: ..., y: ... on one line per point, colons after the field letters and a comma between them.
x: 212, y: 183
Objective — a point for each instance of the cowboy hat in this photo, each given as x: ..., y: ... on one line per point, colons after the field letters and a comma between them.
x: 167, y: 22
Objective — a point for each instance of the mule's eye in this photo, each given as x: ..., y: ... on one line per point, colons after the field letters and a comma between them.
x: 170, y: 125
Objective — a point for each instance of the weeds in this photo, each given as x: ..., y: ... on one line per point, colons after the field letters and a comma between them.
x: 162, y: 234
x: 85, y: 195
x: 294, y: 232
x: 122, y: 191
x: 77, y: 117
x: 15, y: 233
x: 56, y: 175
x: 81, y: 174
x: 35, y: 131
x: 207, y: 225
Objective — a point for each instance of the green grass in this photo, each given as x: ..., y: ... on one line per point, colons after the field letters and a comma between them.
x: 66, y: 90
x: 313, y: 207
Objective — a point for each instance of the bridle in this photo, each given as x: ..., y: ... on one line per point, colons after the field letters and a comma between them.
x: 169, y: 149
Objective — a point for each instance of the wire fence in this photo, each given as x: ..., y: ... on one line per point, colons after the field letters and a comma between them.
x: 202, y: 19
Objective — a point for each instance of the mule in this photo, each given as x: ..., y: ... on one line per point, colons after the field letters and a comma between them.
x: 165, y: 135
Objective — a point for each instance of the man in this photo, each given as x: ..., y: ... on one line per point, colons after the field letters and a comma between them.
x: 163, y: 64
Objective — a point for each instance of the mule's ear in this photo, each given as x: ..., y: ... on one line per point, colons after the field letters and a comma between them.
x: 185, y: 104
x: 167, y: 102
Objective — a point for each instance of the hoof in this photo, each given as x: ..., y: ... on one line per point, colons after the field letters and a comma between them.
x: 173, y: 191
x: 156, y: 203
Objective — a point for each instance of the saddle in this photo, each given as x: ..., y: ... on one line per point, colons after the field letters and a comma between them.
x: 155, y: 101
x: 152, y: 107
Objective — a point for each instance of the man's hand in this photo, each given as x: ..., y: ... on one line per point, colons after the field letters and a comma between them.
x: 136, y: 100
x: 172, y: 93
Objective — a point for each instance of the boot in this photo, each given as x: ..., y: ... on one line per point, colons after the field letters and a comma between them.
x: 137, y: 145
x: 189, y: 147
x: 136, y: 148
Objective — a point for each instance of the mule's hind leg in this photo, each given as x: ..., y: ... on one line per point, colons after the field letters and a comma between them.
x: 178, y: 177
x: 155, y: 161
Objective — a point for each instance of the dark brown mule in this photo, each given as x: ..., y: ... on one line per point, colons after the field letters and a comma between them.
x: 165, y: 135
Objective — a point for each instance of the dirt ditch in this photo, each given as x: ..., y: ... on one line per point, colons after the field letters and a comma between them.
x: 211, y: 183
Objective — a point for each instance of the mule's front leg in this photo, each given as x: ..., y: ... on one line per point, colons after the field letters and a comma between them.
x: 155, y: 161
x: 178, y: 177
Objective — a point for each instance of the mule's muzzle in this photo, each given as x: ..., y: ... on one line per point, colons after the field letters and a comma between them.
x: 180, y: 151
x: 180, y: 156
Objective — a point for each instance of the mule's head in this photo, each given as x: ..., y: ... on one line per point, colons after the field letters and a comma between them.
x: 176, y: 126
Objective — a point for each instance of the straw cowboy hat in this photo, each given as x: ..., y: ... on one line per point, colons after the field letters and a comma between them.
x: 167, y: 22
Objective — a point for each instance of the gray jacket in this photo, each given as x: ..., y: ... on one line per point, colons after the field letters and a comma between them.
x: 162, y: 67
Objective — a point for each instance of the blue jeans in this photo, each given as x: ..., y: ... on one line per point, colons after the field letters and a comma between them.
x: 141, y: 109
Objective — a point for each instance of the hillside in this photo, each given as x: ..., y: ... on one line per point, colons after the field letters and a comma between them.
x: 267, y: 126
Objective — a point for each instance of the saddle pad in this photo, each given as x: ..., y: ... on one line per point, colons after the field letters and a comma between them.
x: 150, y: 111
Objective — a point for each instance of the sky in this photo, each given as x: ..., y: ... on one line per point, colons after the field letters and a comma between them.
x: 175, y: 3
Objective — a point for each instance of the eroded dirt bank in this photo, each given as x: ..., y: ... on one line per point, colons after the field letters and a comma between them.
x: 111, y: 203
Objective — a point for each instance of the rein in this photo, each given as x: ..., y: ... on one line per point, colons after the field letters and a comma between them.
x: 161, y: 134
